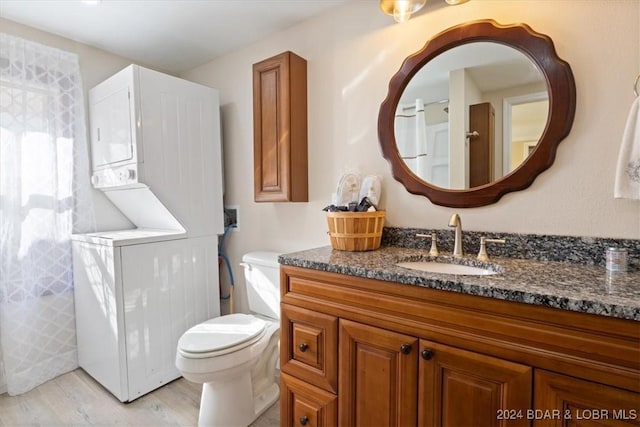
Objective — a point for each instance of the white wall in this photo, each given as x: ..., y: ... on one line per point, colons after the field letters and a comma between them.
x: 353, y: 52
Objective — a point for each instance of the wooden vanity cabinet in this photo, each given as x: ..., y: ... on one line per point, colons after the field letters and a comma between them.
x: 406, y: 355
x: 280, y: 129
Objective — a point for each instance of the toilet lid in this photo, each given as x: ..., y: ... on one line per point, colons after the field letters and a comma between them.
x: 221, y: 333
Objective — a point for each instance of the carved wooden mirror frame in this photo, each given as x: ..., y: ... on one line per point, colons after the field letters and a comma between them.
x: 562, y: 103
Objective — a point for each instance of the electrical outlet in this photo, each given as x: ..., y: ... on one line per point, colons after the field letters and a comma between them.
x: 231, y: 217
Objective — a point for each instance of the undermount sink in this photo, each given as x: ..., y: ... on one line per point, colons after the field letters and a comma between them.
x: 447, y: 268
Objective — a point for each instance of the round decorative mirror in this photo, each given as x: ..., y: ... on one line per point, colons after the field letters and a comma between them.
x: 477, y: 113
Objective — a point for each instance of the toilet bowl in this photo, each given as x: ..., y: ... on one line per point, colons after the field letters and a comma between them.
x: 235, y: 356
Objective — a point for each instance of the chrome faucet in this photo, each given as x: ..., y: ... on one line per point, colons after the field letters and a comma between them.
x: 457, y: 223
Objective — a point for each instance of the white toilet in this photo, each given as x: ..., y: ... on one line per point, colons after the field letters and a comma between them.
x: 235, y: 356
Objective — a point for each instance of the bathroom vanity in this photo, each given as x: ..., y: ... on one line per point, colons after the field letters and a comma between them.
x: 365, y: 342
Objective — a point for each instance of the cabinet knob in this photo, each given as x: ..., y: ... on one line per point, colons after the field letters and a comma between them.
x: 304, y: 420
x: 405, y: 348
x: 427, y: 354
x: 303, y: 347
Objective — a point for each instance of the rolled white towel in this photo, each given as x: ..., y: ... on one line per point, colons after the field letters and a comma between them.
x: 371, y: 188
x: 627, y: 184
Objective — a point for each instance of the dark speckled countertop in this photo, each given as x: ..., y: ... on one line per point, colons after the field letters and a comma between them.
x: 583, y: 288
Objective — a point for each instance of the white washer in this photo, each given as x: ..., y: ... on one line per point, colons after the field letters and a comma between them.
x: 135, y: 295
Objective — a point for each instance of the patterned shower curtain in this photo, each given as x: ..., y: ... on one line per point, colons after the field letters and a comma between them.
x: 44, y: 197
x: 411, y: 137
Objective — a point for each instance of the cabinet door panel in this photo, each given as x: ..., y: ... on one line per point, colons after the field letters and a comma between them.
x: 378, y: 377
x: 462, y: 388
x: 566, y: 401
x: 305, y: 405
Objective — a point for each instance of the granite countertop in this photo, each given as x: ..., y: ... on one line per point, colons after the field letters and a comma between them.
x: 562, y: 285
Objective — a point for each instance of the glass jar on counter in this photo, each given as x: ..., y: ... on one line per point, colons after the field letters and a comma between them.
x: 616, y: 259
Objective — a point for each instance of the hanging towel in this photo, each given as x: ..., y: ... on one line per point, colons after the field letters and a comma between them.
x: 627, y: 185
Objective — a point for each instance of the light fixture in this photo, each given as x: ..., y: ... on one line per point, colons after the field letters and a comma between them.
x: 455, y: 2
x: 401, y: 10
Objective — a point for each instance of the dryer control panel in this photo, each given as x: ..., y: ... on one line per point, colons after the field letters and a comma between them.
x: 123, y: 177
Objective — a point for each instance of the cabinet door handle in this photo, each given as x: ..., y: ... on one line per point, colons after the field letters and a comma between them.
x: 427, y: 354
x: 304, y: 420
x: 303, y: 347
x: 405, y: 348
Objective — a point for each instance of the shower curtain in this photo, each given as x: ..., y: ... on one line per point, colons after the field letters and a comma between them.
x: 421, y: 139
x: 44, y: 197
x: 411, y: 138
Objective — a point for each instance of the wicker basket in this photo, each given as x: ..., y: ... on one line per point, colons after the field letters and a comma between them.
x: 355, y: 231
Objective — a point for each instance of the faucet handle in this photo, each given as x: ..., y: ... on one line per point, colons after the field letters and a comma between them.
x: 434, y: 245
x: 482, y: 254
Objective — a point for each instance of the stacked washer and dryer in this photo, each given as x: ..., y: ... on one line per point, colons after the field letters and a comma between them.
x: 156, y: 155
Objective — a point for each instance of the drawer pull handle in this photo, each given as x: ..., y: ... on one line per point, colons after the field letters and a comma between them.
x: 304, y: 420
x: 405, y: 348
x: 303, y: 347
x: 427, y: 354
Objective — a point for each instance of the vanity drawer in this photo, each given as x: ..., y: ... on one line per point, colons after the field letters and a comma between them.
x: 304, y: 404
x: 308, y: 346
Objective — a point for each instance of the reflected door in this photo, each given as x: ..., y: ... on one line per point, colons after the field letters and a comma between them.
x: 436, y: 169
x: 481, y: 147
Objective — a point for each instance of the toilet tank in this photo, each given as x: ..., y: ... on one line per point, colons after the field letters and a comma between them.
x: 262, y: 277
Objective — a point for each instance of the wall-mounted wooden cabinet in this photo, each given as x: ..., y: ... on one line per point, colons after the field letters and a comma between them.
x: 280, y: 129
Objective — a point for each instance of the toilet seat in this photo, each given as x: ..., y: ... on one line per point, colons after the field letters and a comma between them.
x: 221, y: 335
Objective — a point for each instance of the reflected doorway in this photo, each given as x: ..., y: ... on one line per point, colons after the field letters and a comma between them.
x: 524, y: 120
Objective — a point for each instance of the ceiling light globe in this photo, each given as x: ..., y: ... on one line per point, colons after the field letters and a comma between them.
x: 401, y: 10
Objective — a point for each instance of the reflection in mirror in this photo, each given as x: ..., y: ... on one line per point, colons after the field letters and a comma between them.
x: 471, y: 115
x: 524, y: 118
x: 468, y: 174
